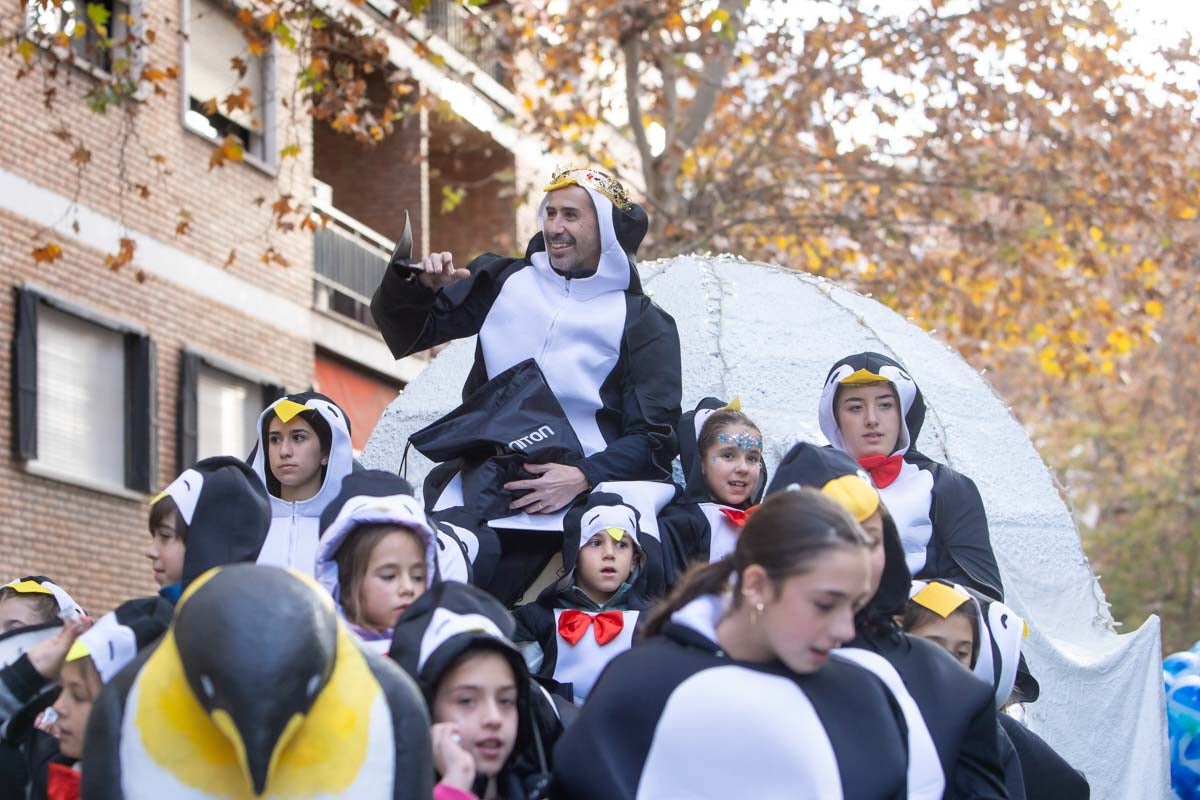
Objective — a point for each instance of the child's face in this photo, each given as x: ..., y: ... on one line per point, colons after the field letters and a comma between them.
x: 17, y: 612
x: 733, y: 463
x: 869, y: 418
x: 294, y: 452
x: 952, y: 634
x: 604, y: 564
x: 479, y: 697
x: 165, y: 552
x: 396, y: 576
x: 80, y: 685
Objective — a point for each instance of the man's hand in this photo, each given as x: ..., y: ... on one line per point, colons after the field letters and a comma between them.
x: 437, y: 271
x: 555, y: 486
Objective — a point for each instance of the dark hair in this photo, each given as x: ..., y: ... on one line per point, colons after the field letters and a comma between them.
x: 784, y: 536
x: 352, y: 558
x: 918, y: 616
x: 721, y: 418
x: 163, y: 511
x: 44, y: 605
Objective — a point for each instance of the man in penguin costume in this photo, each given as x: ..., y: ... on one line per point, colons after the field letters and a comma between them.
x: 570, y: 636
x: 575, y: 305
x: 257, y: 691
x: 938, y: 512
x: 956, y: 707
x: 295, y: 528
x: 696, y: 527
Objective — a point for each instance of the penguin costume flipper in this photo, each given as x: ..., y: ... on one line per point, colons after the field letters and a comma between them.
x: 410, y: 726
x: 961, y: 547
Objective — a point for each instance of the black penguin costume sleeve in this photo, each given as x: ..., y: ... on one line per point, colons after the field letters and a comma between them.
x: 962, y: 550
x: 1046, y: 774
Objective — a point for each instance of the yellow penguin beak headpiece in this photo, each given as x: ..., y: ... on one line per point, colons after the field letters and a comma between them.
x: 287, y: 409
x: 616, y: 533
x: 863, y: 376
x: 940, y: 598
x: 854, y: 494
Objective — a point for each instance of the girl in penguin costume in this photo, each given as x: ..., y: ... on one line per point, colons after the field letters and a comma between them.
x: 995, y: 634
x: 376, y: 511
x: 608, y: 353
x: 937, y: 511
x: 257, y: 690
x: 310, y: 447
x: 444, y: 628
x: 964, y: 730
x: 702, y: 525
x: 736, y: 691
x: 567, y: 635
x: 220, y: 511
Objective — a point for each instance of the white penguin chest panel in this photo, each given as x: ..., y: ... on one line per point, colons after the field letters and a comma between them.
x: 740, y: 733
x: 723, y: 534
x: 580, y: 664
x: 576, y: 342
x: 908, y: 499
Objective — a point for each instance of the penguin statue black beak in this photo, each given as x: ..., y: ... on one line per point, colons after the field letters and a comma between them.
x: 257, y: 644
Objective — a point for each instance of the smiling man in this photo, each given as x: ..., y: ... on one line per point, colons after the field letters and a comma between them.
x: 574, y: 303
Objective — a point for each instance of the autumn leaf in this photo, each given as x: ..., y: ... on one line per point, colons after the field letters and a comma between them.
x: 99, y: 15
x: 232, y: 257
x: 230, y: 149
x: 291, y: 151
x: 81, y: 155
x: 123, y: 256
x: 47, y: 253
x: 239, y: 66
x: 26, y: 49
x: 239, y: 100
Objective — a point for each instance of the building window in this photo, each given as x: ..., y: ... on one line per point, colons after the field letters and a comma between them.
x: 214, y: 43
x: 83, y: 395
x: 218, y: 409
x: 96, y: 32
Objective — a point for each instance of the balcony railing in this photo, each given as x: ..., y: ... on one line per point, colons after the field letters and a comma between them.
x: 349, y: 260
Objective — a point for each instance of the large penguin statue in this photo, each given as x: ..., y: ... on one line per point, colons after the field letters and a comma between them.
x: 256, y: 691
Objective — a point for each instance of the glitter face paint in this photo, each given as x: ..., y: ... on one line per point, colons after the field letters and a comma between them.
x: 743, y: 441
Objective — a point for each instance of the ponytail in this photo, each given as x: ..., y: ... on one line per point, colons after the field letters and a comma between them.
x: 784, y: 536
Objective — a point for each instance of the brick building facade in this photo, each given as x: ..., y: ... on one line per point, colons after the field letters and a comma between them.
x: 116, y: 377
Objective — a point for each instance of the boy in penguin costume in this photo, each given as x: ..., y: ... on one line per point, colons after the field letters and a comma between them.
x: 1042, y: 773
x: 956, y: 706
x: 567, y: 636
x: 574, y: 304
x: 292, y: 541
x: 369, y: 498
x: 444, y: 625
x: 938, y: 512
x: 223, y: 508
x: 697, y: 526
x: 257, y: 690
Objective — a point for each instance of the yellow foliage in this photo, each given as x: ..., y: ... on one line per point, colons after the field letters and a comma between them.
x: 1154, y: 308
x: 1188, y: 212
x: 1048, y: 361
x: 1096, y: 234
x: 1120, y: 340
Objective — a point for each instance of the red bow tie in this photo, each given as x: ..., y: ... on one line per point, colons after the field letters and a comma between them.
x: 737, y: 516
x: 884, y: 469
x: 62, y: 783
x: 573, y: 624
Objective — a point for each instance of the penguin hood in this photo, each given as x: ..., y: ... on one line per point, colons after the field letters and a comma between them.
x: 256, y: 690
x: 870, y: 368
x: 225, y: 508
x: 333, y: 429
x: 602, y: 512
x: 40, y: 584
x: 840, y: 478
x: 622, y: 223
x: 118, y: 636
x: 371, y: 497
x: 447, y: 622
x: 688, y: 432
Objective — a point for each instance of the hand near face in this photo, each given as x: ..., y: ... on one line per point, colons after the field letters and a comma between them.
x: 450, y: 758
x: 48, y: 656
x: 555, y: 486
x: 438, y: 271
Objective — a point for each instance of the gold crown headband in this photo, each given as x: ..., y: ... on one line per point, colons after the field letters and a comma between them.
x: 601, y: 182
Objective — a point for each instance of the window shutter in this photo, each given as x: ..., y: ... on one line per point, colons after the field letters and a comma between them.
x: 187, y: 425
x: 141, y: 419
x: 24, y: 376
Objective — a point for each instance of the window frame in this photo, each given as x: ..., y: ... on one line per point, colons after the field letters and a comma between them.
x: 187, y: 423
x: 269, y: 162
x: 140, y: 393
x: 137, y: 52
